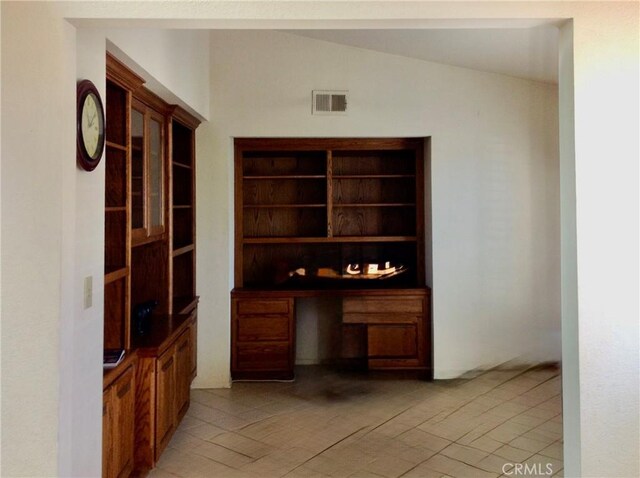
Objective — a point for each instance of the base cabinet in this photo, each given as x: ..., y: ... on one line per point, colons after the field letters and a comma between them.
x: 162, y: 395
x: 263, y: 338
x: 382, y: 329
x: 396, y: 329
x: 118, y: 426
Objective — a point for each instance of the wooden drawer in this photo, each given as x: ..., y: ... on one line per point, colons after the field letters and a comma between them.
x: 383, y: 318
x: 263, y: 357
x: 383, y: 305
x: 263, y: 306
x: 260, y: 328
x: 392, y: 341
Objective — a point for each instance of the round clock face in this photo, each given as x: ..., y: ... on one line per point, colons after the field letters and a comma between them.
x: 92, y: 126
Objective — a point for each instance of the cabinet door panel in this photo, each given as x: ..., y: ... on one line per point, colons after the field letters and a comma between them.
x: 107, y: 435
x: 156, y: 175
x: 392, y: 341
x: 165, y: 404
x: 183, y: 374
x: 193, y: 342
x: 123, y: 407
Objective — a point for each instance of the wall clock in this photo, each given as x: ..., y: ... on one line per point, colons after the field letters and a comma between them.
x: 90, y: 126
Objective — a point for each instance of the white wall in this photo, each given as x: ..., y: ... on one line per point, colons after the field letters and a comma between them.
x: 175, y: 63
x: 494, y: 173
x: 604, y: 370
x: 57, y: 209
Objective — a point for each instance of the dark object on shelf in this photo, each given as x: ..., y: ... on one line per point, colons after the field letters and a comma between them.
x: 141, y: 315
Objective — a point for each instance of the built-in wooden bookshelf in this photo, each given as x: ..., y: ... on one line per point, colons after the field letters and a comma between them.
x: 149, y: 259
x: 310, y: 216
x: 317, y: 203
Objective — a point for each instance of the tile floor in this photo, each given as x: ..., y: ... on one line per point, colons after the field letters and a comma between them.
x: 347, y: 425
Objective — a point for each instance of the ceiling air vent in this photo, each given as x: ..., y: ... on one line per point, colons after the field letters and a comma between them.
x: 329, y: 102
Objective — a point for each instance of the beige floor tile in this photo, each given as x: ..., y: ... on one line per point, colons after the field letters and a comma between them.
x: 468, y: 455
x: 555, y: 450
x: 528, y: 444
x: 487, y: 444
x: 327, y: 424
x: 389, y: 466
x: 422, y: 439
x: 243, y: 445
x: 508, y: 431
x: 515, y: 455
x: 222, y: 455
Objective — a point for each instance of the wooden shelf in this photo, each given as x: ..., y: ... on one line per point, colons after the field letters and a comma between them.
x: 327, y: 240
x: 181, y: 165
x: 374, y: 176
x: 111, y: 144
x: 396, y: 204
x: 115, y: 209
x: 182, y: 206
x: 287, y: 176
x: 274, y: 206
x: 182, y: 250
x: 114, y: 275
x: 184, y: 305
x: 320, y: 202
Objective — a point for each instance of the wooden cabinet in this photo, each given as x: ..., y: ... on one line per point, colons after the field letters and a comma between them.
x: 149, y: 259
x: 118, y: 425
x: 263, y: 338
x: 306, y: 209
x: 165, y: 404
x: 311, y: 216
x: 397, y: 328
x: 164, y: 380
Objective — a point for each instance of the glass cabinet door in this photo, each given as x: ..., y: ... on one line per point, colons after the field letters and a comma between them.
x: 137, y: 170
x: 147, y: 173
x: 156, y: 178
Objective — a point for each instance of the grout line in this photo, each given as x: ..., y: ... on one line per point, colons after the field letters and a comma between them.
x: 328, y: 448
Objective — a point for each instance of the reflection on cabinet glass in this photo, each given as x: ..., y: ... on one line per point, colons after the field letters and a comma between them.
x: 156, y: 177
x: 138, y: 181
x: 147, y: 170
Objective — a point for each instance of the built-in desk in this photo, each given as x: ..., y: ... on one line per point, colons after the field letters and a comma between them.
x: 395, y: 325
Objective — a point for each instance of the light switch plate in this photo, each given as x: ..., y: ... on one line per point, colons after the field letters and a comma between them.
x: 88, y: 292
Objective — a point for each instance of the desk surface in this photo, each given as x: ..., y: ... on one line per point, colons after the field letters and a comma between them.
x: 343, y: 292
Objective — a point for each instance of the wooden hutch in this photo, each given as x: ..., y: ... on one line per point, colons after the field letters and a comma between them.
x: 149, y: 259
x: 310, y: 216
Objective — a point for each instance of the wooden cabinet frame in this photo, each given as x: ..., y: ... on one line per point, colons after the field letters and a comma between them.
x: 142, y: 265
x: 148, y: 232
x: 301, y: 199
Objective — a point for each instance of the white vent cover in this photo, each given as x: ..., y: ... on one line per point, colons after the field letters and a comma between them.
x: 329, y: 102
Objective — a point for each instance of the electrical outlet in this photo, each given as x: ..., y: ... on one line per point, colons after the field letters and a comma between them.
x: 88, y: 292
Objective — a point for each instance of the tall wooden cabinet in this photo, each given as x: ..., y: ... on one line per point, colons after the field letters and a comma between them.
x: 149, y: 264
x: 322, y: 216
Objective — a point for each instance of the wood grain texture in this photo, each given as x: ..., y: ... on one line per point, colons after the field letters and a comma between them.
x: 363, y: 191
x: 145, y: 406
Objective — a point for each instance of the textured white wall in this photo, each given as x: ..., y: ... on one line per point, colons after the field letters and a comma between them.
x: 605, y: 312
x: 175, y: 63
x: 495, y: 176
x: 38, y: 147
